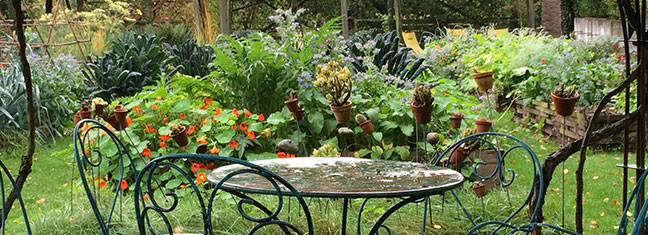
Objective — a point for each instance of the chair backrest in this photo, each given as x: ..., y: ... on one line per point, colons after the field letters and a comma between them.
x: 96, y: 145
x: 18, y: 196
x: 148, y: 187
x: 503, y: 147
x: 412, y: 42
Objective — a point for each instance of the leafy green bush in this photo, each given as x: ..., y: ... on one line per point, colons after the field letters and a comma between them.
x: 57, y: 94
x: 170, y: 34
x: 135, y: 61
x: 193, y: 59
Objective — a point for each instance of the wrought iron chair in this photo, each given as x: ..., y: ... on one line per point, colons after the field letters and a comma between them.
x: 89, y: 154
x: 511, y: 147
x: 18, y: 196
x: 148, y: 186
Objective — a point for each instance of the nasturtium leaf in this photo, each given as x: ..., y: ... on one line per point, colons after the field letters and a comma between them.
x: 225, y: 136
x: 174, y: 183
x: 165, y: 130
x: 403, y: 152
x: 330, y: 125
x: 262, y: 156
x: 387, y: 125
x: 276, y: 118
x: 256, y: 127
x: 364, y: 152
x: 182, y: 106
x: 407, y: 129
x: 316, y: 120
x: 207, y: 127
x: 377, y: 135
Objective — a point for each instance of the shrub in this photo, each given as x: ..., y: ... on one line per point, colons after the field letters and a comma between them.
x: 135, y: 61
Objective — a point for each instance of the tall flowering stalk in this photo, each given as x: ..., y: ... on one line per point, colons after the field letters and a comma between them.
x: 336, y: 80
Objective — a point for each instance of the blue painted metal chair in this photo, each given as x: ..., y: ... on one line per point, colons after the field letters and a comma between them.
x: 639, y: 221
x: 89, y: 155
x: 511, y: 147
x: 18, y: 196
x: 150, y: 208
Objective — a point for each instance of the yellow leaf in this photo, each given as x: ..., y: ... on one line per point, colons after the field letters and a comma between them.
x: 593, y: 222
x: 40, y: 201
x: 602, y: 213
x: 606, y: 199
x: 595, y: 177
x: 566, y: 171
x: 616, y: 202
x: 436, y: 226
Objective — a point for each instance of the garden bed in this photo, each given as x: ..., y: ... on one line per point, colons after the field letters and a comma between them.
x: 576, y: 124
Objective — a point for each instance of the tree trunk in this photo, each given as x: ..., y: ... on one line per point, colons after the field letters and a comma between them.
x: 551, y: 17
x: 48, y: 6
x: 26, y: 162
x: 79, y: 5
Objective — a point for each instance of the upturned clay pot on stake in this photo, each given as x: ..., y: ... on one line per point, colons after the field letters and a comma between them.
x: 112, y: 120
x: 77, y: 117
x: 484, y: 80
x: 299, y: 114
x: 479, y: 189
x: 342, y: 113
x: 85, y: 113
x: 179, y: 135
x: 483, y: 125
x: 120, y: 113
x: 364, y: 123
x: 423, y: 114
x: 292, y: 104
x: 564, y: 106
x: 459, y: 155
x: 455, y: 120
x: 99, y: 108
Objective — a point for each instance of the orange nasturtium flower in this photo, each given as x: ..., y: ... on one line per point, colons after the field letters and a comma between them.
x: 182, y: 116
x: 128, y: 121
x: 195, y: 167
x: 191, y: 130
x: 232, y: 144
x: 154, y: 106
x: 137, y: 109
x: 214, y: 150
x: 281, y: 155
x: 165, y: 120
x: 234, y: 126
x: 201, y: 140
x: 261, y: 117
x: 183, y: 186
x: 149, y: 129
x: 235, y: 112
x: 244, y: 127
x: 209, y: 101
x: 123, y: 185
x: 164, y: 138
x: 146, y: 152
x: 247, y: 113
x: 201, y: 178
x: 251, y: 135
x: 158, y: 98
x: 102, y: 183
x: 218, y: 112
x: 163, y: 145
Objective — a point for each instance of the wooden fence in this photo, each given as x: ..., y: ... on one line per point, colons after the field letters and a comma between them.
x: 588, y: 28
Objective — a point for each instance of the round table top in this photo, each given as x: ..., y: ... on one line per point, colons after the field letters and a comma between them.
x: 343, y: 177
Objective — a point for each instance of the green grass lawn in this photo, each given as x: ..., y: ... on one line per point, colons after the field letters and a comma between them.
x: 56, y: 205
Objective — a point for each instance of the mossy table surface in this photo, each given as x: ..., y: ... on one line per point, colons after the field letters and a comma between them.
x: 343, y: 177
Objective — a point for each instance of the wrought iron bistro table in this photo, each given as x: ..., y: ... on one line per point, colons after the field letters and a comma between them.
x: 344, y: 177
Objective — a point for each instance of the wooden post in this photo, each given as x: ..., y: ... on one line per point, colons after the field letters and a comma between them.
x: 225, y: 16
x: 530, y: 14
x: 399, y: 30
x: 344, y: 9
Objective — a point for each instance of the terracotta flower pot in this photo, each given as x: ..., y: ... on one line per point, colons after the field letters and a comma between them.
x: 367, y: 127
x: 112, y: 120
x: 422, y: 113
x: 483, y: 126
x: 99, y: 108
x: 85, y: 114
x: 455, y: 122
x: 459, y: 155
x: 120, y: 113
x: 484, y: 80
x: 77, y: 117
x: 342, y: 113
x: 292, y: 105
x: 564, y: 106
x: 299, y: 115
x: 181, y: 137
x: 480, y: 190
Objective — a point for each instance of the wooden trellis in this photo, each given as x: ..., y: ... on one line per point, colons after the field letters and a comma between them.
x: 45, y: 39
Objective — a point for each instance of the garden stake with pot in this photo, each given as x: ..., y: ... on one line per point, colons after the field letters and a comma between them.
x: 299, y: 115
x: 564, y: 98
x: 455, y: 120
x: 336, y: 80
x: 480, y: 191
x: 179, y: 134
x: 366, y: 125
x: 421, y: 105
x: 98, y: 104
